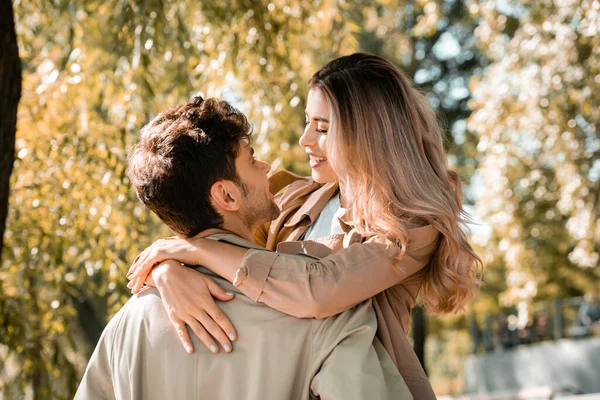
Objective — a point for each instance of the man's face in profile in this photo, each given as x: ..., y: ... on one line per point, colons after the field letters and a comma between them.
x: 258, y: 205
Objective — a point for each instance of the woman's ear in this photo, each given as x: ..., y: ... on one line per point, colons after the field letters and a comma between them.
x: 226, y: 196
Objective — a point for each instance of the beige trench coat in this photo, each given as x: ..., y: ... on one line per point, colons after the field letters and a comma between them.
x: 350, y: 272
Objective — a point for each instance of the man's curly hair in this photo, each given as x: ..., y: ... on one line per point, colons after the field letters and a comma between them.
x: 181, y: 153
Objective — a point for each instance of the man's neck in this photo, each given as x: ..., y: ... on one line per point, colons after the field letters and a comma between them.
x: 241, y: 231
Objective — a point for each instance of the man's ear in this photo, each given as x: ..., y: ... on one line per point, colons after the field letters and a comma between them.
x: 225, y: 195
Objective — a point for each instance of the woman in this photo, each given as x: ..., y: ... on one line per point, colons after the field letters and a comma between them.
x: 380, y: 178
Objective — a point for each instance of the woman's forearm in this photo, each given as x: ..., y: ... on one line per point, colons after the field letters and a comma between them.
x: 223, y: 259
x: 320, y: 288
x: 309, y: 288
x: 305, y: 287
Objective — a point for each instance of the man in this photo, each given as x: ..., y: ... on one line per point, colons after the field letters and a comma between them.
x: 194, y: 167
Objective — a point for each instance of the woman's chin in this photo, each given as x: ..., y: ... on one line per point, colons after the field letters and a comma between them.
x: 321, y: 178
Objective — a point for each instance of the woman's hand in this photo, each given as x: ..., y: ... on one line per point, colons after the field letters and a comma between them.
x: 188, y: 298
x: 171, y: 248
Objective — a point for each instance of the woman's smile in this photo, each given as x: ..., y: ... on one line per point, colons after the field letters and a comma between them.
x: 314, y: 138
x: 316, y: 161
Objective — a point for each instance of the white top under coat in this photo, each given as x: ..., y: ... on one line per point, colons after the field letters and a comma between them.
x: 328, y: 221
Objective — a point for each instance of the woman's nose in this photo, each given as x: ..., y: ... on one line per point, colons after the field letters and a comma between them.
x: 308, y: 138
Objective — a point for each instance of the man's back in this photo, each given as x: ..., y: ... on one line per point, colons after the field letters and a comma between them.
x: 275, y: 357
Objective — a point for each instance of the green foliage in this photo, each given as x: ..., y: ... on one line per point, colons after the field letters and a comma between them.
x: 536, y: 114
x: 96, y: 71
x: 448, y: 351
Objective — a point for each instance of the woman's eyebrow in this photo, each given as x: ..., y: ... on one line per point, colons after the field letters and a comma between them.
x: 318, y: 119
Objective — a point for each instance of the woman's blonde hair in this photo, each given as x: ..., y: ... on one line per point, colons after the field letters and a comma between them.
x: 387, y: 149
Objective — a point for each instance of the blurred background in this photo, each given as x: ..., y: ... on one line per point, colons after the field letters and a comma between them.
x: 516, y: 85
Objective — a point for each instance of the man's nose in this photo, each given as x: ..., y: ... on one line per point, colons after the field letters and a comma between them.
x: 266, y: 167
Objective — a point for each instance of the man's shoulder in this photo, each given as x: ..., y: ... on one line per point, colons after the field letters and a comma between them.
x: 146, y: 303
x: 137, y: 309
x: 143, y: 315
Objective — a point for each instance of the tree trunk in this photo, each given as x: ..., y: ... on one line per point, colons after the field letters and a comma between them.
x: 419, y: 331
x: 10, y: 94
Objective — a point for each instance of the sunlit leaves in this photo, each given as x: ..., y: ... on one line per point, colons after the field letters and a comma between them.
x: 96, y: 71
x: 536, y: 114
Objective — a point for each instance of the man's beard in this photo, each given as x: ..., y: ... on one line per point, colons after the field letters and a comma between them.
x: 256, y: 208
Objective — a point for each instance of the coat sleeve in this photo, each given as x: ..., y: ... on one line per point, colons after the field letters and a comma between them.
x: 319, y: 288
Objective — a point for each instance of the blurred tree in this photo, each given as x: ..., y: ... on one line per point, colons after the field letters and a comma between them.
x: 537, y: 117
x: 419, y: 333
x: 10, y: 93
x: 96, y: 71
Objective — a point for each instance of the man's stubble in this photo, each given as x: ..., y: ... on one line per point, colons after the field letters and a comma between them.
x: 256, y: 208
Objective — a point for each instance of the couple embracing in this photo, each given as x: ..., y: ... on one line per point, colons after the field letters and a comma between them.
x: 318, y: 274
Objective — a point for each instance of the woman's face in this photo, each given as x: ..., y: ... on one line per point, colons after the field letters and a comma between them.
x: 314, y: 139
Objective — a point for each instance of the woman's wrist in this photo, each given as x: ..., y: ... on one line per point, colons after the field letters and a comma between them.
x: 199, y: 245
x: 223, y: 259
x: 159, y: 275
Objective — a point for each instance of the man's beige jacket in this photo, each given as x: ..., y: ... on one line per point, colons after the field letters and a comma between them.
x: 278, y: 357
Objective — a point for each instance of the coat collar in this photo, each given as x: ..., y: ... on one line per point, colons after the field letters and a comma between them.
x: 314, y: 204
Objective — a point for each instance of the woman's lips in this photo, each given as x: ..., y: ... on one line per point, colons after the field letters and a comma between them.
x: 316, y: 162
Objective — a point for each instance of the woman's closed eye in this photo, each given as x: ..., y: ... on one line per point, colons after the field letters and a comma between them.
x: 319, y: 128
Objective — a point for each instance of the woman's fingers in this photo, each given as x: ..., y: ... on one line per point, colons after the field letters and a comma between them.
x: 215, y: 312
x: 142, y: 279
x: 183, y: 334
x: 203, y: 335
x: 187, y: 296
x: 146, y: 260
x: 135, y: 285
x: 144, y: 265
x: 137, y: 262
x: 161, y: 250
x: 213, y: 329
x: 132, y: 267
x: 217, y: 291
x: 221, y: 320
x: 137, y: 282
x: 200, y: 332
